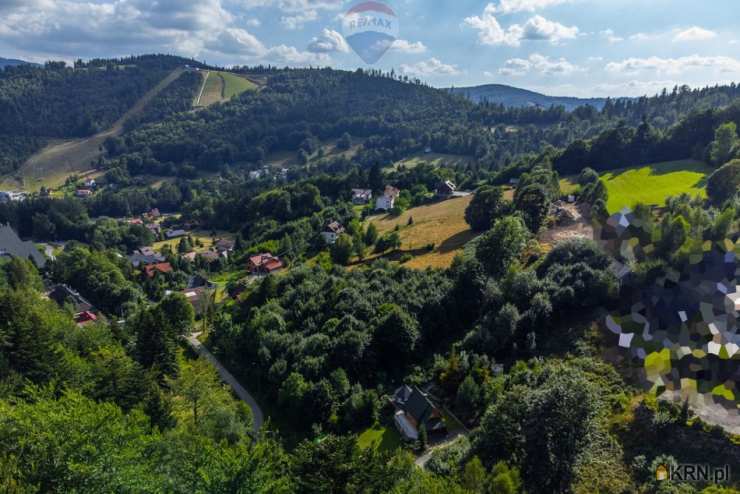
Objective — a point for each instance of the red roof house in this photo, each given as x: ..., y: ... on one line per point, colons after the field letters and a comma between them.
x: 153, y: 269
x: 85, y: 317
x: 264, y: 264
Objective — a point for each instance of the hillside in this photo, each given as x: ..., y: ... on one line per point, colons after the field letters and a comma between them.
x: 12, y: 62
x: 517, y: 97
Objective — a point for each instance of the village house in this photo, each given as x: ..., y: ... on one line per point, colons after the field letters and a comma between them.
x: 151, y: 270
x: 387, y: 201
x: 153, y: 214
x: 332, y: 232
x: 263, y: 264
x: 144, y: 257
x: 90, y: 183
x: 224, y: 247
x: 176, y: 233
x: 12, y: 246
x: 84, y: 318
x: 446, y: 189
x: 64, y: 295
x: 6, y: 196
x: 361, y: 196
x: 83, y: 193
x: 209, y: 256
x: 414, y: 409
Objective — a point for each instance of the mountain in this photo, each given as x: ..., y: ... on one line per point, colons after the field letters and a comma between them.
x: 516, y: 97
x: 11, y: 62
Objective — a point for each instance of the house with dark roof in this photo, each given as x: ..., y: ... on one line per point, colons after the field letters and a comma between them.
x: 414, y: 408
x: 65, y: 295
x: 170, y: 234
x: 12, y: 246
x: 145, y: 257
x: 446, y: 189
x: 332, y: 232
x: 361, y: 196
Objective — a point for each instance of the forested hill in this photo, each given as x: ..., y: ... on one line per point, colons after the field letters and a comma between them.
x: 517, y: 97
x: 55, y: 101
x: 12, y: 62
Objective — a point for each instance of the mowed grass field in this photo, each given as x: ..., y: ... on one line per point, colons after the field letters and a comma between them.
x: 650, y: 184
x: 442, y: 223
x: 653, y: 184
x: 222, y: 86
x: 436, y: 159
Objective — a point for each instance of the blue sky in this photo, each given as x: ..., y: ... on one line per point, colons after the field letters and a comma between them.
x: 563, y: 47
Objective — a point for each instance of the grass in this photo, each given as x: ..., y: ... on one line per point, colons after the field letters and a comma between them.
x: 204, y: 236
x: 653, y: 184
x: 442, y: 223
x: 222, y: 86
x: 569, y: 185
x: 436, y: 159
x: 380, y: 438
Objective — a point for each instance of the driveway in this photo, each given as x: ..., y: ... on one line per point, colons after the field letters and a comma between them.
x: 228, y: 378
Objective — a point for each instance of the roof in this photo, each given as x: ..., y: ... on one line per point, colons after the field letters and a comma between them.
x: 335, y: 227
x: 391, y: 191
x: 446, y: 186
x: 175, y: 233
x: 363, y: 193
x: 139, y: 259
x: 260, y: 260
x: 225, y: 244
x: 415, y: 403
x: 11, y: 245
x: 85, y: 316
x: 162, y: 267
x: 63, y: 294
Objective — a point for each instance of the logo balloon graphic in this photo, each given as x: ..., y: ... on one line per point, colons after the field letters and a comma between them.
x: 370, y: 28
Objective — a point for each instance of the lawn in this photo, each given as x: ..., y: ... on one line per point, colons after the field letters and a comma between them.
x: 222, y: 86
x: 442, y: 224
x: 380, y: 438
x: 653, y: 184
x: 205, y: 238
x: 436, y: 159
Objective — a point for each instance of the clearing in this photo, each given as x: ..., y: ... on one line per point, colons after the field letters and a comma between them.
x: 51, y: 166
x: 380, y: 438
x: 436, y: 159
x: 442, y: 224
x: 653, y: 184
x: 221, y: 86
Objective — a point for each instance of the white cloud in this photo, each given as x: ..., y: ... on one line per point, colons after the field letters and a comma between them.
x: 644, y: 36
x: 254, y: 22
x: 537, y: 28
x: 695, y: 33
x: 328, y: 42
x: 675, y: 65
x: 235, y: 41
x: 539, y: 64
x: 512, y: 6
x: 431, y: 67
x: 297, y: 21
x: 290, y: 55
x: 404, y: 46
x: 611, y: 36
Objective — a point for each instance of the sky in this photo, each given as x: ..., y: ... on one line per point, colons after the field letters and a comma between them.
x: 558, y: 47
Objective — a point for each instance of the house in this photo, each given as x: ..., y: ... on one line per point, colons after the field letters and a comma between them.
x: 6, y: 196
x: 361, y: 196
x: 155, y: 228
x: 224, y: 246
x: 190, y: 256
x: 90, y: 183
x: 388, y: 199
x: 262, y: 264
x: 12, y: 246
x: 153, y: 214
x: 414, y: 409
x: 198, y: 281
x: 64, y: 295
x: 85, y: 317
x: 83, y: 193
x: 151, y: 270
x: 135, y: 221
x: 446, y: 189
x: 139, y: 258
x: 332, y: 232
x: 199, y: 298
x: 209, y: 256
x: 177, y: 233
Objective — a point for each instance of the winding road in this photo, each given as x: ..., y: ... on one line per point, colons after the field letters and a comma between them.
x: 257, y: 415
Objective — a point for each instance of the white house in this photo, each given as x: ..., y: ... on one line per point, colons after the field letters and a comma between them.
x: 332, y: 232
x: 361, y: 196
x: 388, y: 199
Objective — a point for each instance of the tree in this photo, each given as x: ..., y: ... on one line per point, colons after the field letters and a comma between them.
x: 396, y: 335
x: 487, y: 204
x: 534, y: 205
x: 502, y: 245
x: 341, y: 251
x: 371, y: 234
x: 724, y: 183
x: 725, y: 143
x: 474, y: 476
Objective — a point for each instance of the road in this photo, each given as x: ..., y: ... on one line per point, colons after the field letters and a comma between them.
x: 422, y: 460
x: 257, y: 415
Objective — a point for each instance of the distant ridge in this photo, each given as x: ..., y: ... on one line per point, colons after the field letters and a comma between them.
x: 516, y: 97
x: 11, y: 62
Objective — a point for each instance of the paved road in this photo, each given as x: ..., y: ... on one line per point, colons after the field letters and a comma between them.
x: 243, y: 394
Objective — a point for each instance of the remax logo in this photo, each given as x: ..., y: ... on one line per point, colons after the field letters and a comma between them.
x: 370, y: 28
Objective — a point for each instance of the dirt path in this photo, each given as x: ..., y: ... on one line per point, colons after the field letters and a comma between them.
x: 202, y: 88
x: 228, y: 378
x: 58, y: 160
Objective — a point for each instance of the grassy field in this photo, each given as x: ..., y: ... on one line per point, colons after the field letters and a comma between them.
x: 380, y: 438
x: 197, y: 235
x: 222, y: 86
x: 436, y: 159
x: 653, y: 184
x: 442, y: 223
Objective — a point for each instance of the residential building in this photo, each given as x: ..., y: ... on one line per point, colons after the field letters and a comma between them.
x: 224, y: 246
x: 85, y: 317
x: 176, y: 233
x: 387, y: 201
x: 262, y: 264
x: 361, y: 196
x: 151, y: 270
x: 414, y: 409
x: 139, y: 258
x: 83, y: 193
x: 7, y: 196
x: 446, y: 189
x: 64, y: 295
x: 332, y: 232
x: 12, y: 246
